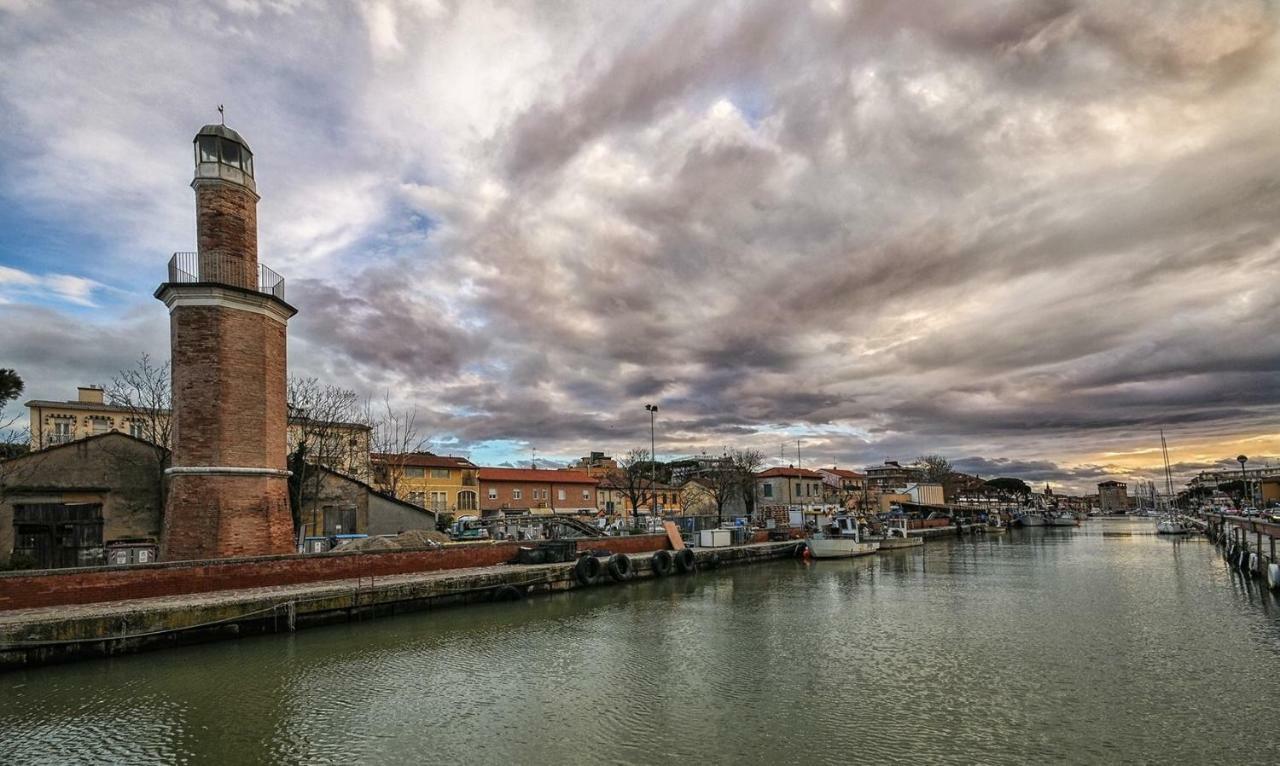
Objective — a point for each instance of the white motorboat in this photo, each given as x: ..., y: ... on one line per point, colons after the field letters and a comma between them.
x: 1171, y: 525
x: 1060, y: 519
x: 1031, y: 519
x: 896, y: 537
x: 840, y: 539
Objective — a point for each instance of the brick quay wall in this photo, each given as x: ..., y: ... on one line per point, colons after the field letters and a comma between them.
x: 90, y: 585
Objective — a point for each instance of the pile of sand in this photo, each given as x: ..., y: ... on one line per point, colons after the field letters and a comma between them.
x: 414, y: 538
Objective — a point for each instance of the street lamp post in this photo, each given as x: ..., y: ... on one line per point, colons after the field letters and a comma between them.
x: 1244, y: 482
x: 653, y: 459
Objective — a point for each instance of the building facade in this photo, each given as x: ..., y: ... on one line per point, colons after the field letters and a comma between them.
x: 72, y: 504
x: 535, y: 490
x: 439, y: 483
x: 1113, y: 497
x: 344, y: 446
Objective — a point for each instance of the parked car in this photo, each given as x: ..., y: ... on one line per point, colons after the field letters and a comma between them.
x: 1249, y: 510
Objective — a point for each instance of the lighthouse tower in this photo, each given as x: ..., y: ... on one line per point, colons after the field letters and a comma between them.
x: 228, y: 483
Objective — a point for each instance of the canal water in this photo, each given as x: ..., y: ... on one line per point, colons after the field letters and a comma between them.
x: 1103, y: 644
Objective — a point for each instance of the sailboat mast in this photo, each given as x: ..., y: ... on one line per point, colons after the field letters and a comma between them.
x: 1168, y: 474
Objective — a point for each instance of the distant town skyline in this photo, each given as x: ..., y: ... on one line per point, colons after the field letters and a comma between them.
x: 1022, y: 236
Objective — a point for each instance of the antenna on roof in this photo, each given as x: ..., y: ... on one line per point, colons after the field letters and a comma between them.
x: 533, y: 461
x: 222, y: 114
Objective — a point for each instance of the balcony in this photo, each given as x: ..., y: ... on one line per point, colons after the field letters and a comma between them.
x: 224, y: 269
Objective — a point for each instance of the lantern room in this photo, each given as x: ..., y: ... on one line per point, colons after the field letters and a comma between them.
x: 221, y: 153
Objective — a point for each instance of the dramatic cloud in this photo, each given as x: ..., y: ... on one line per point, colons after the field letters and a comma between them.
x: 1036, y: 232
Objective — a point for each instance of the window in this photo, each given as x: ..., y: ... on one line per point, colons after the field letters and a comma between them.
x: 493, y: 493
x: 768, y: 490
x: 138, y: 429
x: 61, y: 432
x: 798, y: 489
x: 414, y: 472
x: 207, y: 151
x: 439, y: 501
x: 560, y: 495
x: 466, y: 500
x: 231, y: 153
x: 516, y: 494
x: 418, y: 499
x: 439, y: 473
x: 586, y: 495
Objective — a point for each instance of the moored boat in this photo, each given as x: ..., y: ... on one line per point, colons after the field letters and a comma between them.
x: 1171, y: 525
x: 840, y: 539
x: 896, y: 537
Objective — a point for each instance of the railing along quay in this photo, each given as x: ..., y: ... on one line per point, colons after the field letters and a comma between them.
x: 221, y: 268
x: 1256, y: 557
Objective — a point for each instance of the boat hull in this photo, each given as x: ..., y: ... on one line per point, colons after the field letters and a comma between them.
x: 1166, y: 527
x: 836, y: 548
x: 897, y: 543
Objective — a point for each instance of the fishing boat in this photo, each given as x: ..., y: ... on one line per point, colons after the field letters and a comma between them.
x: 1030, y: 519
x: 995, y: 525
x: 896, y: 537
x: 839, y: 539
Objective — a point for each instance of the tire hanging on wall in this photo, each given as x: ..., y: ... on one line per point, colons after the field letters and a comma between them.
x: 508, y: 593
x: 620, y: 567
x: 661, y: 563
x: 587, y: 570
x: 686, y: 562
x: 1273, y: 576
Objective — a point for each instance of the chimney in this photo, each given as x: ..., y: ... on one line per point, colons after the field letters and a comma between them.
x: 90, y: 394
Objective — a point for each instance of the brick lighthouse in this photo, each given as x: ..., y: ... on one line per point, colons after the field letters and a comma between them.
x: 228, y: 484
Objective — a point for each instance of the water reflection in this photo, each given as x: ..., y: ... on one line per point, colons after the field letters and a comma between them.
x: 1103, y: 643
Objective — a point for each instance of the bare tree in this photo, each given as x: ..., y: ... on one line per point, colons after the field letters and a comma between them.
x: 145, y: 391
x: 745, y: 464
x: 393, y: 439
x: 322, y: 420
x: 632, y: 478
x: 938, y: 470
x: 722, y: 484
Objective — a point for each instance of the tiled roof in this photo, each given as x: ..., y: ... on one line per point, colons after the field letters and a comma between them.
x: 422, y: 460
x: 795, y: 473
x: 535, y: 475
x: 844, y: 473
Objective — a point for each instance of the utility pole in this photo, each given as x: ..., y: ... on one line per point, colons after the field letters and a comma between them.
x: 653, y: 459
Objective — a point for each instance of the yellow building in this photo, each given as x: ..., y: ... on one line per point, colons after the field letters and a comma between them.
x: 341, y: 446
x: 440, y: 483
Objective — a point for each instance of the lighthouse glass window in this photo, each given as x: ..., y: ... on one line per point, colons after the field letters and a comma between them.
x: 231, y: 153
x: 208, y: 149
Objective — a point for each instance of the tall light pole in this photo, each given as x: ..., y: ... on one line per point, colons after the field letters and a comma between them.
x: 653, y: 459
x: 1244, y: 481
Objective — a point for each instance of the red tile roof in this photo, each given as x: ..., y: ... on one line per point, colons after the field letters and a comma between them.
x: 536, y: 475
x: 845, y: 473
x: 422, y: 460
x: 795, y: 473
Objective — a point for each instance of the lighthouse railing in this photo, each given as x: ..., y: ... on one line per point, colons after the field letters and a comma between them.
x: 220, y: 268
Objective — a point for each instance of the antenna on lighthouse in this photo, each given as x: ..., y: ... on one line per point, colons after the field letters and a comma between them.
x: 222, y: 114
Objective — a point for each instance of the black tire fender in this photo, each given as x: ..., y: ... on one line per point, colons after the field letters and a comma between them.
x: 661, y: 563
x: 587, y: 570
x: 686, y: 562
x: 620, y: 567
x: 508, y: 593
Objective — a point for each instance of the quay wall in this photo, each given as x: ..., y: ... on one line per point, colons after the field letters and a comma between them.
x: 110, y: 629
x: 89, y: 585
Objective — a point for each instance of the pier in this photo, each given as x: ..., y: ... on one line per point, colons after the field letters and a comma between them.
x: 1249, y: 545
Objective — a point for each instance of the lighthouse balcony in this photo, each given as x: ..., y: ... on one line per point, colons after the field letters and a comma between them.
x: 219, y: 268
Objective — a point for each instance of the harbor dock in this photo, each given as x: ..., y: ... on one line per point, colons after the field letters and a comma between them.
x: 58, y: 633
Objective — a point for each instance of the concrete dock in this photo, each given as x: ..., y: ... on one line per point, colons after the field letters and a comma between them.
x: 46, y: 635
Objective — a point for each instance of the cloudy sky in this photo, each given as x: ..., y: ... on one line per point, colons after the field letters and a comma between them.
x: 1025, y: 235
